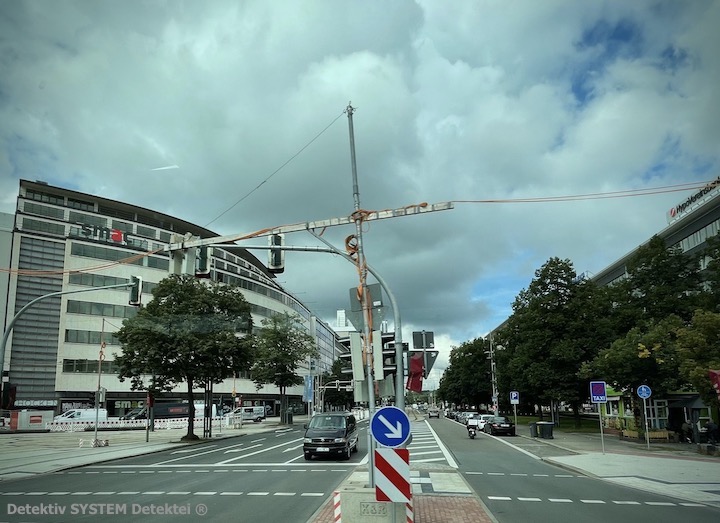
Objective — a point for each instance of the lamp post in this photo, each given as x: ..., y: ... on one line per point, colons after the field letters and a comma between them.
x: 493, y: 377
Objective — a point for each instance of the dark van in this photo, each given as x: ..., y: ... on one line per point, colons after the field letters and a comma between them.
x: 331, y: 434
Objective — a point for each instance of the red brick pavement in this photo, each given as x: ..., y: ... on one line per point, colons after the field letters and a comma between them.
x: 432, y: 509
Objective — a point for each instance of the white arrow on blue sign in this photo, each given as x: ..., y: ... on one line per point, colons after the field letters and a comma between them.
x: 390, y: 426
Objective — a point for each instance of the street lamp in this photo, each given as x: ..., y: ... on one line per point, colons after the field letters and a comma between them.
x: 493, y: 374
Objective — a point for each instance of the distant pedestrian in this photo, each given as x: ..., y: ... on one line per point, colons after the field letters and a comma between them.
x: 686, y: 432
x: 712, y: 432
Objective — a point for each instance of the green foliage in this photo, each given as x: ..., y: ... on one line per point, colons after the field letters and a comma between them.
x: 337, y: 397
x: 467, y: 380
x: 192, y: 331
x: 282, y: 343
x: 699, y: 348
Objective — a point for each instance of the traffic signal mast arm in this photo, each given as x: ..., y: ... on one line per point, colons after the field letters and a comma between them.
x: 410, y: 210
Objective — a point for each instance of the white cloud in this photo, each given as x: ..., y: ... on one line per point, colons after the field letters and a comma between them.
x: 456, y: 101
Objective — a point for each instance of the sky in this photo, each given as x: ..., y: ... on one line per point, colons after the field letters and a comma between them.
x: 232, y: 115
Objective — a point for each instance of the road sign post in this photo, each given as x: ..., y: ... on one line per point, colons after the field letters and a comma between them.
x: 645, y: 392
x: 515, y: 401
x: 598, y: 394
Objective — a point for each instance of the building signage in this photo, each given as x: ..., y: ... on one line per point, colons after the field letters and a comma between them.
x: 706, y: 193
x: 95, y: 232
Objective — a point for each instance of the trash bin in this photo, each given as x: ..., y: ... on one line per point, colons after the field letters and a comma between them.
x: 533, y: 430
x: 546, y: 429
x: 289, y: 416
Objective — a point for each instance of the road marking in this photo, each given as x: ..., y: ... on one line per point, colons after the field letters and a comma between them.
x: 591, y: 501
x: 626, y: 502
x: 188, y: 451
x: 284, y: 494
x: 35, y: 493
x: 179, y: 493
x: 256, y: 440
x: 231, y: 493
x: 205, y: 493
x: 529, y: 499
x: 199, y: 454
x: 560, y: 500
x: 153, y: 493
x: 448, y: 457
x: 258, y: 493
x: 129, y: 492
x: 499, y: 498
x: 259, y: 451
x: 312, y: 494
x: 108, y: 493
x: 660, y: 503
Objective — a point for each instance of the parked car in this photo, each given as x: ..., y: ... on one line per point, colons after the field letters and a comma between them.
x: 479, y: 420
x: 433, y: 413
x: 499, y: 425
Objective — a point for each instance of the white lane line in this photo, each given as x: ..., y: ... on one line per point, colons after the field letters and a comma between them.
x: 108, y: 493
x: 205, y: 493
x: 316, y: 494
x: 445, y: 451
x: 501, y: 440
x: 593, y: 501
x: 231, y: 493
x: 529, y: 499
x: 259, y: 451
x: 284, y: 494
x: 626, y: 502
x: 256, y: 440
x: 495, y: 473
x: 178, y: 493
x: 660, y: 503
x: 560, y: 500
x: 153, y: 493
x: 500, y: 498
x: 200, y: 454
x: 258, y: 493
x: 188, y: 451
x: 518, y: 474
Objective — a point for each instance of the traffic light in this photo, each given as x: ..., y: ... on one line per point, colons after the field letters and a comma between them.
x: 276, y: 257
x: 135, y: 291
x: 202, y: 265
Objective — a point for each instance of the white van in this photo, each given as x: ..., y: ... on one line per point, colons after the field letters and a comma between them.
x: 255, y: 414
x: 74, y: 415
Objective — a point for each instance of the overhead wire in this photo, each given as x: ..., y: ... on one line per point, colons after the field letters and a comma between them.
x: 275, y: 171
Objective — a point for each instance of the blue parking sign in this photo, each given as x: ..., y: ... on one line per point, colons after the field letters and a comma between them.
x: 598, y: 392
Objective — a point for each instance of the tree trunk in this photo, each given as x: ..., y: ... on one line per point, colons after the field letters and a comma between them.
x: 190, y: 436
x: 576, y: 414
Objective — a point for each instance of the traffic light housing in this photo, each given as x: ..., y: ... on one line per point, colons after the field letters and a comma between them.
x: 202, y: 265
x: 135, y: 298
x: 276, y: 257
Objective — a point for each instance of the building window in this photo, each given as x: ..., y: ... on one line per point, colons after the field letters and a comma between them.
x: 44, y: 210
x: 100, y: 309
x: 122, y: 226
x: 87, y: 219
x: 81, y: 205
x: 147, y: 232
x: 44, y: 197
x: 28, y: 224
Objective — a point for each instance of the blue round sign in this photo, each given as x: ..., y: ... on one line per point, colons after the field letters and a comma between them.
x: 390, y: 426
x: 644, y: 392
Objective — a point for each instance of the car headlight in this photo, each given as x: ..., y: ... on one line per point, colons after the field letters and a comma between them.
x: 340, y: 440
x: 307, y: 440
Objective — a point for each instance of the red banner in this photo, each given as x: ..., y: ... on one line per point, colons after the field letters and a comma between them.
x: 715, y: 380
x: 415, y: 374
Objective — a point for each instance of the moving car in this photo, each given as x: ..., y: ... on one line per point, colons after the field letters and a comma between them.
x: 499, y: 425
x: 331, y: 434
x: 478, y: 420
x: 433, y: 413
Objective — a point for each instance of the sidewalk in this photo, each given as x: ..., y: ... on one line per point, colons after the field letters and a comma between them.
x: 672, y: 469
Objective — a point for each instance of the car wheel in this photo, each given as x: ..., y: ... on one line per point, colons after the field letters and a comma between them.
x: 348, y: 452
x: 308, y: 457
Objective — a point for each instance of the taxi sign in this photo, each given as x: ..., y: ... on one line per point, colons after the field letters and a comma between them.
x: 598, y: 392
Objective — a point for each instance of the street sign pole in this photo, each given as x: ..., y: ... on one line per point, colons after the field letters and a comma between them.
x: 598, y: 394
x: 645, y: 392
x: 514, y: 400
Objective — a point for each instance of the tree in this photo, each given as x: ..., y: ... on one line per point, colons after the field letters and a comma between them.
x: 467, y: 380
x: 192, y: 331
x: 660, y: 281
x: 699, y: 351
x: 556, y: 326
x: 282, y: 343
x: 336, y: 397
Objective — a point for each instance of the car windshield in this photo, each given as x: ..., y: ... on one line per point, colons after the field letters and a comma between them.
x: 501, y: 419
x: 328, y: 422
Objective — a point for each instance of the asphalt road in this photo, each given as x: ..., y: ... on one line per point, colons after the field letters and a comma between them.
x: 518, y: 487
x: 255, y: 478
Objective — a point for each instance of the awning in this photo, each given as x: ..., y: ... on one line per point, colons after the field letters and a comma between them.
x: 690, y: 403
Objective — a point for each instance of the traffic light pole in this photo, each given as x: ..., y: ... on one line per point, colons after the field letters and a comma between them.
x: 10, y: 325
